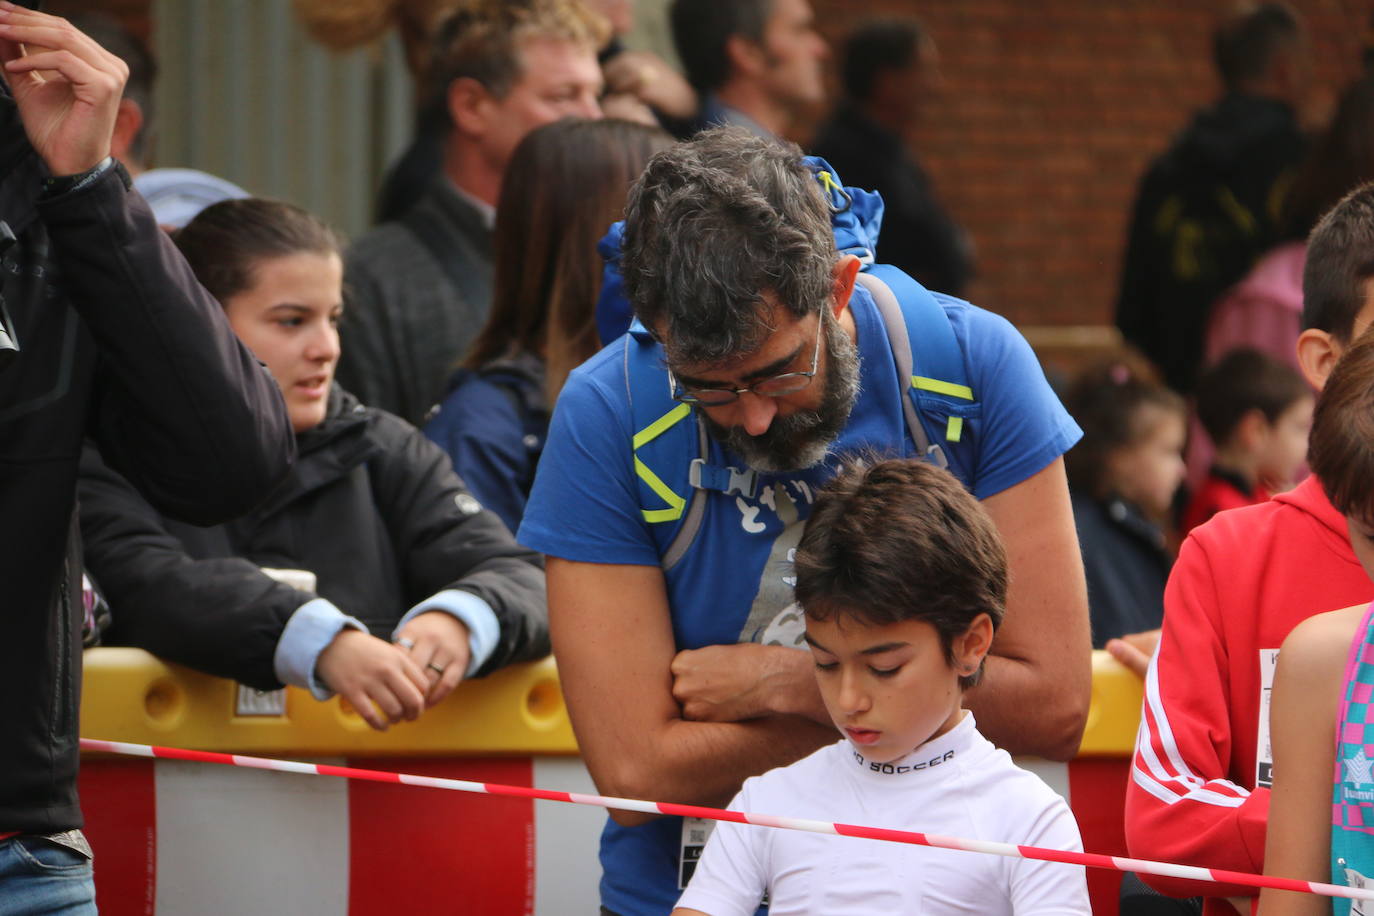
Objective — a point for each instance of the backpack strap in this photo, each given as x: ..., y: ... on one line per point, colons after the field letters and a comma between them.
x: 921, y: 337
x: 665, y: 434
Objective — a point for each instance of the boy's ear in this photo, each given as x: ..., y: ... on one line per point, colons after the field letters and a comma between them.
x: 1317, y: 355
x: 972, y: 646
x: 1251, y: 429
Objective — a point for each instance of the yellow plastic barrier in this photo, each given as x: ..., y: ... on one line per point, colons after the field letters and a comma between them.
x: 131, y: 696
x: 147, y: 821
x: 1114, y: 715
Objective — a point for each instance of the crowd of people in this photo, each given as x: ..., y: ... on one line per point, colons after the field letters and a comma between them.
x: 624, y: 376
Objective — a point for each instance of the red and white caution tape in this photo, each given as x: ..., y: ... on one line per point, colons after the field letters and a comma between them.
x: 1091, y: 860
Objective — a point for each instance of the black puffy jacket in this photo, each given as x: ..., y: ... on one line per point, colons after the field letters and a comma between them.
x: 119, y: 342
x: 372, y: 508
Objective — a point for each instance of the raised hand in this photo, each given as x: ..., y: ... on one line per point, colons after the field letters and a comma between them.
x: 67, y: 88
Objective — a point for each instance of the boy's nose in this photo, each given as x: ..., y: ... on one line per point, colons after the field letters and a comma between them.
x: 853, y: 698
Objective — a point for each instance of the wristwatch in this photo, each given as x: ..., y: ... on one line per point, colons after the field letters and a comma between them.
x: 57, y: 185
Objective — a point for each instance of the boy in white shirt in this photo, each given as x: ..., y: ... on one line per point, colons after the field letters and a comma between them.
x: 903, y: 581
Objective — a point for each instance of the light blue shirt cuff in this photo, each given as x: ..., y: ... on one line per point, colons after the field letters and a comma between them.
x: 484, y: 631
x: 311, y: 628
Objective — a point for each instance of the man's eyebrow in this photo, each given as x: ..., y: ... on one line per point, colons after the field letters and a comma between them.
x: 811, y: 642
x: 771, y: 369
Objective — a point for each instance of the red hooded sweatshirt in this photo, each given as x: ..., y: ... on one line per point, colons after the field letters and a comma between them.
x: 1242, y: 581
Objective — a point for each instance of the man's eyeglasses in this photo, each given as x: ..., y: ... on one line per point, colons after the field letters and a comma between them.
x: 775, y: 386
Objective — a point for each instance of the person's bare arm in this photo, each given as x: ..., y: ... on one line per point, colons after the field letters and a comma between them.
x: 613, y: 640
x: 1038, y: 682
x: 1302, y: 715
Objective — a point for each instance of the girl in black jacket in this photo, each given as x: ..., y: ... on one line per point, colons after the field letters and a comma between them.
x: 371, y: 571
x: 1122, y: 478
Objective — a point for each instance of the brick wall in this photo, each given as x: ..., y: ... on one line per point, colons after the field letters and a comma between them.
x: 1051, y: 110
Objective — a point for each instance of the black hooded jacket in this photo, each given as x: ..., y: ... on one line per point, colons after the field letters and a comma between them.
x: 372, y: 508
x: 1206, y: 210
x: 119, y: 342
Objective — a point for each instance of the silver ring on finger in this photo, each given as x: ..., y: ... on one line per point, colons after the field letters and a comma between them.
x: 405, y: 643
x: 437, y: 669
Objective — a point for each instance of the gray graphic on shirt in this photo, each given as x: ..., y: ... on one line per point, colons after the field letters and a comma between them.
x: 774, y: 618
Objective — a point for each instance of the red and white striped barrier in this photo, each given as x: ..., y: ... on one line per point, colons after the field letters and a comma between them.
x: 1091, y: 860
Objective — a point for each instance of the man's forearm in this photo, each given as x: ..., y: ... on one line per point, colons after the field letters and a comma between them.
x: 794, y: 688
x: 1024, y: 710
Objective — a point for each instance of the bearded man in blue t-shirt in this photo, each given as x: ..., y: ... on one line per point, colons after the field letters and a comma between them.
x: 684, y: 674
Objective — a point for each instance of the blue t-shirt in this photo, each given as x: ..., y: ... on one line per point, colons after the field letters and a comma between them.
x: 734, y: 584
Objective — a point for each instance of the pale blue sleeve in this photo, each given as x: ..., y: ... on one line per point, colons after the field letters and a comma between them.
x: 307, y: 633
x: 484, y: 631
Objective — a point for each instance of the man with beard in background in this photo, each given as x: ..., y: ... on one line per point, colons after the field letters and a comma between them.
x: 681, y: 662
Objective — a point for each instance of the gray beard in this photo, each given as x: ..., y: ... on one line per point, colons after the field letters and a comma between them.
x: 802, y: 440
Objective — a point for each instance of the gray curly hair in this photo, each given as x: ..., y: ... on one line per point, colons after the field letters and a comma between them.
x: 710, y: 227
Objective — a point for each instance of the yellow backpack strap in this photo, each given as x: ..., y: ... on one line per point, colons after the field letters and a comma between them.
x: 676, y: 503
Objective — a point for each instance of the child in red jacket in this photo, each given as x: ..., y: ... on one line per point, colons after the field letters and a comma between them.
x: 1257, y: 412
x: 1199, y: 781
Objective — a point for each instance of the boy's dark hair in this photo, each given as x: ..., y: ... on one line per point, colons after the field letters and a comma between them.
x: 702, y: 29
x: 227, y: 241
x: 710, y: 226
x: 1244, y: 46
x: 1340, y: 258
x: 876, y: 46
x: 1341, y: 448
x: 902, y: 540
x: 1105, y: 399
x: 1245, y: 379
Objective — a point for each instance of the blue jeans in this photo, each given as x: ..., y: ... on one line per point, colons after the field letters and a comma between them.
x: 41, y: 878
